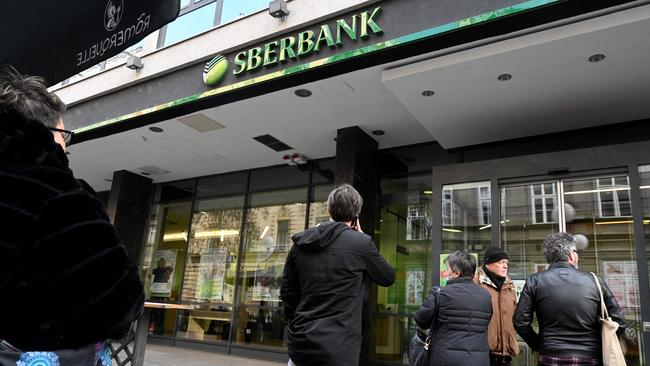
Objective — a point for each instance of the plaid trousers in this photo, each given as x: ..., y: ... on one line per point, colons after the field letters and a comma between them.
x: 546, y: 360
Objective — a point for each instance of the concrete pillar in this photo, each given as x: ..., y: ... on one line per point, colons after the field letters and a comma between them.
x: 128, y: 207
x: 356, y: 153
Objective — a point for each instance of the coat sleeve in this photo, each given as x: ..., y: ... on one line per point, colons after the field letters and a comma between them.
x: 613, y: 309
x: 424, y: 315
x: 290, y: 286
x: 523, y: 317
x: 377, y: 268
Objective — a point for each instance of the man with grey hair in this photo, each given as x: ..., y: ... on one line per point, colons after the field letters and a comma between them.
x: 566, y: 301
x: 323, y: 284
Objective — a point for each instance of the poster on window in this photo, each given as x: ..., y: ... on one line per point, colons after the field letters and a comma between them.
x: 211, y: 273
x: 621, y: 278
x: 414, y: 286
x: 163, y: 273
x: 443, y: 267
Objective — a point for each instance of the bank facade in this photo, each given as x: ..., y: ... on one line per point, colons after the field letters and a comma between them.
x: 464, y: 124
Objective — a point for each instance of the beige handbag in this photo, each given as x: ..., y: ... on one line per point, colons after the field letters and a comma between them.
x: 612, y: 352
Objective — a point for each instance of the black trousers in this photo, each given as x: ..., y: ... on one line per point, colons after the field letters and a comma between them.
x: 496, y: 360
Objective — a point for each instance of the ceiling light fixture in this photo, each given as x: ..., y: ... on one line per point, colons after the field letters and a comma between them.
x: 303, y: 93
x: 378, y: 132
x: 155, y: 129
x: 597, y: 57
x: 428, y: 93
x: 504, y: 77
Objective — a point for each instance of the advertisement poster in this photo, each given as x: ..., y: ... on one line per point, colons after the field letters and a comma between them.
x: 163, y: 273
x: 621, y: 278
x: 414, y: 287
x: 212, y: 270
x: 443, y: 267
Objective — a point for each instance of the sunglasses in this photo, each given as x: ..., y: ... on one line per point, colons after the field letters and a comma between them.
x: 67, y: 135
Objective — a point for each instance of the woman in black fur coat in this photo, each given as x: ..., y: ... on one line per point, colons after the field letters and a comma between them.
x: 66, y: 282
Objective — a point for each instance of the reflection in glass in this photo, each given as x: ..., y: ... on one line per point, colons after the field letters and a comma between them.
x: 235, y: 9
x: 391, y: 338
x: 211, y: 269
x: 205, y: 323
x: 466, y: 217
x: 404, y: 240
x: 528, y: 215
x: 318, y: 208
x: 191, y: 24
x: 600, y: 210
x: 165, y: 252
x: 270, y: 222
x: 262, y: 327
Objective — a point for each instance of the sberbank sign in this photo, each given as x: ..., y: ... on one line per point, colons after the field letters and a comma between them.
x: 294, y: 47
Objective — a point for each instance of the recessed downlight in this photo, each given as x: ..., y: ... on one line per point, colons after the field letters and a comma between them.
x: 303, y: 93
x: 378, y: 132
x: 504, y: 77
x: 155, y: 129
x: 597, y: 57
x: 428, y: 93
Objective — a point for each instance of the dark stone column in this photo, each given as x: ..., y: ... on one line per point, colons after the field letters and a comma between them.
x: 356, y: 164
x: 128, y: 207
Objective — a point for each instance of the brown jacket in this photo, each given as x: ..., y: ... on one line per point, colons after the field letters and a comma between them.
x: 502, y: 338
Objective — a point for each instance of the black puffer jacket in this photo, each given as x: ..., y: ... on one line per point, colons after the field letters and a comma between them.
x: 567, y: 303
x: 65, y: 278
x: 459, y: 335
x: 322, y: 290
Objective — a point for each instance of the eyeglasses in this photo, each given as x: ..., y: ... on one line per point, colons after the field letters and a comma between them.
x: 67, y: 135
x: 577, y: 251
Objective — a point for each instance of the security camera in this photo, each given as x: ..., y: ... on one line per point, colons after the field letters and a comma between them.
x: 278, y: 9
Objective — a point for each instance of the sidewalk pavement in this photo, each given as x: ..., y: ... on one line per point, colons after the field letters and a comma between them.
x: 159, y: 355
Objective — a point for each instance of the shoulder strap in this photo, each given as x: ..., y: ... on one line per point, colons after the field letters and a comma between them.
x: 603, y: 309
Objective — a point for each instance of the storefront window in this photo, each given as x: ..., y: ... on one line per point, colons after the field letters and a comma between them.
x: 211, y: 268
x: 190, y: 24
x: 271, y: 220
x: 404, y: 239
x: 318, y: 208
x: 235, y: 9
x: 466, y: 218
x: 164, y: 262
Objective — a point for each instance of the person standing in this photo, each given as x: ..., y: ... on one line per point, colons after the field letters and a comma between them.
x: 323, y: 285
x: 493, y: 276
x: 459, y: 316
x: 65, y: 277
x: 566, y: 301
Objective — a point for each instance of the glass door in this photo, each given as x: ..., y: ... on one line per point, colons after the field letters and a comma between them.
x: 599, y: 211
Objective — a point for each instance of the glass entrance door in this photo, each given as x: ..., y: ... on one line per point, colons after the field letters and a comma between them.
x: 599, y: 211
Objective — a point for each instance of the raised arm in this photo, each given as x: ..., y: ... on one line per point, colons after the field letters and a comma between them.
x: 376, y: 266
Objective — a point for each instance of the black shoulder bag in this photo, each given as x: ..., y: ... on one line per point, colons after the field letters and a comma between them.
x: 421, y: 343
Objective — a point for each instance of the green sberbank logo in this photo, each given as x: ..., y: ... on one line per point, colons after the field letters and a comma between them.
x: 215, y: 70
x: 292, y: 48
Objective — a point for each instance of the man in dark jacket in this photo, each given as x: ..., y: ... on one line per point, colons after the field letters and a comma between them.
x: 567, y: 303
x: 459, y: 316
x: 65, y: 278
x: 322, y: 285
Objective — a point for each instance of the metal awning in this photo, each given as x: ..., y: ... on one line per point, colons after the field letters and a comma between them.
x: 58, y: 39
